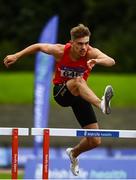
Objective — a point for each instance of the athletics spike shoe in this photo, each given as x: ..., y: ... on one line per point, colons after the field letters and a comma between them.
x: 105, y: 103
x: 74, y: 162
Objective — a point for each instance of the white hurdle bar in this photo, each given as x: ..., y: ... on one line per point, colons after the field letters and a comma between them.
x: 85, y: 132
x: 8, y: 131
x: 14, y: 132
x: 47, y: 132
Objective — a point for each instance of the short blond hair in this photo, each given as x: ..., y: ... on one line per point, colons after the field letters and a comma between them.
x: 79, y: 32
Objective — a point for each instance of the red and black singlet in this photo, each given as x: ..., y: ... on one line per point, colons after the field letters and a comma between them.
x: 67, y: 69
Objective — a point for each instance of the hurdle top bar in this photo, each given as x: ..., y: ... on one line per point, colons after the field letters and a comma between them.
x: 85, y: 132
x: 8, y: 131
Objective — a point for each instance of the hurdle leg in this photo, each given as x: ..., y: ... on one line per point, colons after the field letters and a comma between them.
x: 46, y: 143
x: 14, y: 154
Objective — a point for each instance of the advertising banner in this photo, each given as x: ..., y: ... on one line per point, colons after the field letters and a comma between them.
x: 107, y: 168
x: 43, y: 73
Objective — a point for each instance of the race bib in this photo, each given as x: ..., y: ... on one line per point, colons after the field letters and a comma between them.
x: 71, y: 72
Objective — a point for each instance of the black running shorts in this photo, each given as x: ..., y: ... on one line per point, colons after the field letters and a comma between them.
x: 81, y: 108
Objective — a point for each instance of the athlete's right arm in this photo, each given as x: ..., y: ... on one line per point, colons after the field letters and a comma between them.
x: 53, y: 49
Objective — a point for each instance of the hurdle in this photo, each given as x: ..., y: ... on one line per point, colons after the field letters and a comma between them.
x: 47, y: 132
x: 14, y: 132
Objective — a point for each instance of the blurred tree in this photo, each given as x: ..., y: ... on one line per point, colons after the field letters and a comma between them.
x: 112, y: 24
x: 23, y: 20
x: 114, y: 28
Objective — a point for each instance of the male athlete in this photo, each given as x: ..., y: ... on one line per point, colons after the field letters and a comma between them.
x: 74, y: 61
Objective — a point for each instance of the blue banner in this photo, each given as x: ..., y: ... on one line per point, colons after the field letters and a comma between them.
x: 91, y: 133
x: 99, y: 163
x: 107, y: 168
x: 43, y: 74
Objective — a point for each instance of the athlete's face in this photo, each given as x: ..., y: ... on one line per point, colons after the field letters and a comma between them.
x: 80, y: 46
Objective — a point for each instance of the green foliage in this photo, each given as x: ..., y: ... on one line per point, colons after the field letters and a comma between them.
x: 113, y: 27
x: 112, y: 24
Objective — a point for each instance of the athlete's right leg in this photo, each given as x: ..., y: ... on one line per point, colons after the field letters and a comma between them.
x: 86, y: 117
x: 86, y: 144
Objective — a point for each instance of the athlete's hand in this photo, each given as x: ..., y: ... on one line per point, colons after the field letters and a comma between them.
x: 91, y: 63
x: 10, y: 59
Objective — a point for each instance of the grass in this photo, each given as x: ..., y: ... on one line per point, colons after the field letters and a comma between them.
x: 7, y: 175
x: 18, y: 88
x: 124, y: 86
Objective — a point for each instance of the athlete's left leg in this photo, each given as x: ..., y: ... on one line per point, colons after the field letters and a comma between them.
x: 79, y: 87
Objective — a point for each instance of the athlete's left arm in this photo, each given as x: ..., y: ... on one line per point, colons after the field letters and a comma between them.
x: 97, y: 57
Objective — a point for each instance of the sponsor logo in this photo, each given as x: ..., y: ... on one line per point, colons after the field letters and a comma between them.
x: 113, y: 174
x: 98, y: 133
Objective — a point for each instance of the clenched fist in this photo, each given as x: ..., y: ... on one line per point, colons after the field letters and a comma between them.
x: 91, y: 63
x: 10, y: 59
